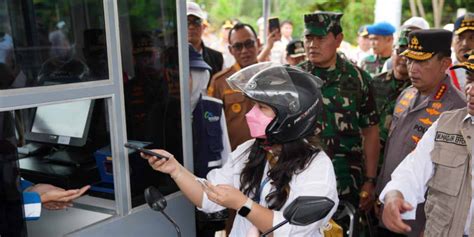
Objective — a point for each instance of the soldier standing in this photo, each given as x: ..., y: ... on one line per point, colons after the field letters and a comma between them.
x: 349, y: 120
x: 428, y: 58
x: 381, y: 40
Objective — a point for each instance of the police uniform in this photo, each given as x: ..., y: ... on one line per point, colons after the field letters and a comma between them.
x: 236, y: 105
x: 386, y: 91
x: 414, y: 113
x: 373, y: 64
x: 349, y: 106
x: 387, y: 88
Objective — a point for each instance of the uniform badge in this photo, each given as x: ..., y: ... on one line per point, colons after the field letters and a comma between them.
x: 236, y: 108
x: 436, y: 105
x: 440, y: 92
x: 416, y: 139
x: 426, y: 121
x: 432, y: 111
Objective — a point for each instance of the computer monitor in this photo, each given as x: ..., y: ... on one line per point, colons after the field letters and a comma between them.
x: 62, y: 124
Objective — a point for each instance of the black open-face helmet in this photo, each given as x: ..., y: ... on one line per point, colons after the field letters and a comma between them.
x: 294, y: 95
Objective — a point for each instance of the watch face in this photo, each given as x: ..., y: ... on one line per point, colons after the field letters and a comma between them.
x: 244, y: 211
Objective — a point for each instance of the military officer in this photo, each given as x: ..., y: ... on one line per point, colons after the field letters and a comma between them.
x: 418, y: 106
x: 439, y: 171
x: 349, y: 121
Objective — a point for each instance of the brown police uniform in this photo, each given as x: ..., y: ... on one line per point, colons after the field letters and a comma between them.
x: 412, y: 117
x: 236, y: 105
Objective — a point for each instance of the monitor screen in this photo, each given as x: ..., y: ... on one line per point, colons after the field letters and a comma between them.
x: 66, y: 123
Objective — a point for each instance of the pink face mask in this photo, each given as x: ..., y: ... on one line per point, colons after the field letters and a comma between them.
x: 257, y: 122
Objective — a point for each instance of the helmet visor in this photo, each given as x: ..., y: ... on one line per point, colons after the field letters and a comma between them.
x: 268, y: 83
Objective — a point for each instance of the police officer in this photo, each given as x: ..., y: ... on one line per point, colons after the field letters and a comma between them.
x: 349, y: 120
x: 381, y: 40
x: 388, y: 86
x: 463, y: 42
x: 418, y: 106
x: 441, y: 164
x: 243, y: 45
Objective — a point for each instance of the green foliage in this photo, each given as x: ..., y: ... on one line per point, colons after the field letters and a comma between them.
x: 356, y: 13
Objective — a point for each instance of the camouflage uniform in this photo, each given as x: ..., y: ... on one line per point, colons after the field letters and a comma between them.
x: 349, y: 107
x: 386, y: 91
x: 373, y: 64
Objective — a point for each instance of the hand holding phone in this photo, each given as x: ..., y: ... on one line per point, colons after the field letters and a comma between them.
x: 273, y: 24
x: 146, y: 151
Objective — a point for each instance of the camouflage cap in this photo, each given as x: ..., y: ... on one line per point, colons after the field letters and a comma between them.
x: 321, y: 23
x: 403, y: 37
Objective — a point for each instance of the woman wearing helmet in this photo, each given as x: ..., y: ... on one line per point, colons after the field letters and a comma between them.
x: 283, y: 161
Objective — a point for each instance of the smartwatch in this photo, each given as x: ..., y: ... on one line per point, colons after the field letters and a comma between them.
x: 246, y: 208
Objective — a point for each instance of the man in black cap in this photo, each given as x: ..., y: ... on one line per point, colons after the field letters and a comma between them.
x: 463, y: 42
x: 295, y: 52
x: 416, y: 109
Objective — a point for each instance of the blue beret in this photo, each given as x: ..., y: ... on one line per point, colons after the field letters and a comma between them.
x: 381, y: 28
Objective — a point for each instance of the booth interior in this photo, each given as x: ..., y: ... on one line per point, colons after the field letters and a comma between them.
x: 68, y: 145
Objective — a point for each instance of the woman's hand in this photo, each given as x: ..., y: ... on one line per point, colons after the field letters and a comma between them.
x: 226, y: 196
x: 170, y: 166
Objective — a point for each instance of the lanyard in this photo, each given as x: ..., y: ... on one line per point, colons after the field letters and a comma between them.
x: 262, y: 185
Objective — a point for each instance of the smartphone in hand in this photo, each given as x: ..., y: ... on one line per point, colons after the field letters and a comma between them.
x: 146, y: 151
x: 273, y: 24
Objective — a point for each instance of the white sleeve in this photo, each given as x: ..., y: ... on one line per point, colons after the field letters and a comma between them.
x: 413, y: 173
x: 317, y: 180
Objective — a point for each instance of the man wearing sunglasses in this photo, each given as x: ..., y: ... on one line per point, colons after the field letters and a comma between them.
x: 243, y: 45
x: 195, y: 30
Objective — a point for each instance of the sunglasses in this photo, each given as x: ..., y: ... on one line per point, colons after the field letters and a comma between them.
x: 248, y: 44
x: 194, y: 21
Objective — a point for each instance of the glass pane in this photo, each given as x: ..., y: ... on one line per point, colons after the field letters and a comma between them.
x: 61, y: 147
x: 51, y: 42
x: 152, y: 97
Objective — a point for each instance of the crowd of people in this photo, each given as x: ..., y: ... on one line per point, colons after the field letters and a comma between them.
x: 393, y: 115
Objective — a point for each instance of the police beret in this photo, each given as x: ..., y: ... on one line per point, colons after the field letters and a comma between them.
x: 423, y: 44
x: 381, y: 28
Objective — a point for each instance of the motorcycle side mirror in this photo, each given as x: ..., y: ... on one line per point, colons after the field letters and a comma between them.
x: 305, y: 210
x: 155, y: 199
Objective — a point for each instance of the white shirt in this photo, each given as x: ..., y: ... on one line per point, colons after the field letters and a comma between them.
x: 318, y: 179
x: 412, y: 175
